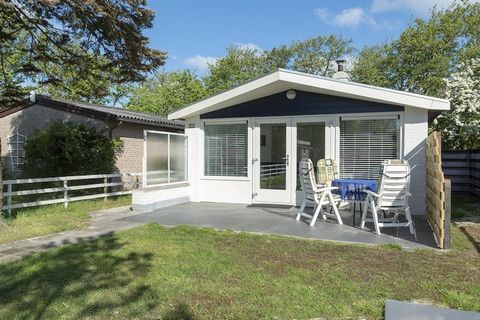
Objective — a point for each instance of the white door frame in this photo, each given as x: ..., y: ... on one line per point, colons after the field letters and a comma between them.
x: 269, y: 195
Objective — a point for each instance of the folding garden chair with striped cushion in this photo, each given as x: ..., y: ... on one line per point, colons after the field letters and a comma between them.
x: 314, y: 195
x: 392, y: 197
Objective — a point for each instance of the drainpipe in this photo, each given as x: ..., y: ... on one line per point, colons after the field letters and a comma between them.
x: 110, y: 135
x: 110, y: 131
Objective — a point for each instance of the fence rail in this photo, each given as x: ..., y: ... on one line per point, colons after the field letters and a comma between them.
x: 272, y: 170
x: 124, y: 179
x: 463, y: 168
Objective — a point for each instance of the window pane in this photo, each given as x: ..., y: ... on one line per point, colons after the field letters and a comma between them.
x: 157, y: 158
x: 273, y: 167
x: 178, y: 152
x: 310, y: 144
x: 364, y: 144
x: 226, y: 150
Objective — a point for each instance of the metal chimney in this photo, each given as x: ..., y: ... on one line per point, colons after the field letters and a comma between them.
x: 341, y: 64
x: 341, y: 74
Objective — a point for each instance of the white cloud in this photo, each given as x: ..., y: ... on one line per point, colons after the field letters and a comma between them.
x: 200, y: 62
x: 351, y: 17
x: 249, y: 46
x: 417, y: 6
x: 323, y: 14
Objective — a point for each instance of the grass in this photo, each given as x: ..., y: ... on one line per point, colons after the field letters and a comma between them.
x: 465, y: 207
x: 154, y: 272
x: 32, y: 222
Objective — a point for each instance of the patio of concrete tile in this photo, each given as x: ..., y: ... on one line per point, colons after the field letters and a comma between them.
x: 280, y: 220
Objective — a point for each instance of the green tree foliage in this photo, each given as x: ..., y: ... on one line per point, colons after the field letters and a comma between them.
x: 11, y: 74
x: 317, y: 55
x: 425, y: 53
x: 166, y: 92
x: 69, y: 149
x: 86, y: 82
x: 65, y: 40
x: 238, y: 66
x: 370, y: 67
x: 460, y: 128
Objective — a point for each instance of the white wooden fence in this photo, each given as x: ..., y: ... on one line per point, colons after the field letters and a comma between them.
x: 132, y: 179
x: 273, y: 170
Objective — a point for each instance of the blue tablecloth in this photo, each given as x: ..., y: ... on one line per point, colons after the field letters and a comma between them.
x: 352, y: 189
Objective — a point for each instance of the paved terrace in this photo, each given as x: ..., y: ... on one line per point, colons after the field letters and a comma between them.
x: 275, y: 220
x: 280, y: 220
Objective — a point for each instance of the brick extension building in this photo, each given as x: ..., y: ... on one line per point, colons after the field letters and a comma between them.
x: 38, y: 111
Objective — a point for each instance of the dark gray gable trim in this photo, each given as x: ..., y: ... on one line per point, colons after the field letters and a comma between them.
x: 305, y: 103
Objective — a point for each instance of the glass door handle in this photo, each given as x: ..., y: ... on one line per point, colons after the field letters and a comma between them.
x: 287, y: 159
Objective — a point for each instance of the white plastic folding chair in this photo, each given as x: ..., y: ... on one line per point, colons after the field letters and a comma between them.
x: 392, y: 197
x: 315, y: 196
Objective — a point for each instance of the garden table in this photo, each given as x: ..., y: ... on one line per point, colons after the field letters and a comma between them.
x: 351, y: 190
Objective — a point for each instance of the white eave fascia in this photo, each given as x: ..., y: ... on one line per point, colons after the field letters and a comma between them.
x: 364, y: 92
x: 285, y: 79
x: 199, y: 107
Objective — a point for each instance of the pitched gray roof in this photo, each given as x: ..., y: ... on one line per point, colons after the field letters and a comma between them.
x: 119, y: 113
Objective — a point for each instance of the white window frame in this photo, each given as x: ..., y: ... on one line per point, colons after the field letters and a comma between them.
x: 248, y: 122
x: 144, y: 160
x: 369, y: 116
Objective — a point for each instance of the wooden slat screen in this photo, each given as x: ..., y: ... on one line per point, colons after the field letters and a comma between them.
x: 438, y: 192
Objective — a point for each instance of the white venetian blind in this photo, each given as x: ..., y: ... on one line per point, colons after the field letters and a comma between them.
x: 226, y: 150
x: 364, y: 144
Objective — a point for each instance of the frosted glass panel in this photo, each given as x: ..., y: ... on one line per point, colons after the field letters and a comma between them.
x: 157, y: 158
x: 178, y: 157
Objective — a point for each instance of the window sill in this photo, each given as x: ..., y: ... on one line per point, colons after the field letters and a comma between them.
x: 225, y: 178
x: 167, y: 186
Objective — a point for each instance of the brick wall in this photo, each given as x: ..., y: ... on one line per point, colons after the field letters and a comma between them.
x: 26, y: 121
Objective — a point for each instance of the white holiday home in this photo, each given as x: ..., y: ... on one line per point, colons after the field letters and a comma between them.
x: 244, y: 144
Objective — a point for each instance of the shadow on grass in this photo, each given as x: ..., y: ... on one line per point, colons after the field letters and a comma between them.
x: 471, y: 238
x: 78, y: 281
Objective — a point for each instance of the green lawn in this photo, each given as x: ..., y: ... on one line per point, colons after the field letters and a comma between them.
x: 154, y: 272
x: 32, y: 222
x: 464, y: 207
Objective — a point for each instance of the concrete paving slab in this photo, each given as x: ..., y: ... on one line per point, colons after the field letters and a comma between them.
x: 400, y: 310
x: 268, y: 220
x: 281, y: 221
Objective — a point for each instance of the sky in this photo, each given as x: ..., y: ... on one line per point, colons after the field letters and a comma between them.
x: 196, y: 32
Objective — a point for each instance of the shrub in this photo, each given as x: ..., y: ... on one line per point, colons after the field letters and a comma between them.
x: 68, y: 148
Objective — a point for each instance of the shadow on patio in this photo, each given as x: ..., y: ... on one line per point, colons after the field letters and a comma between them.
x: 281, y: 221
